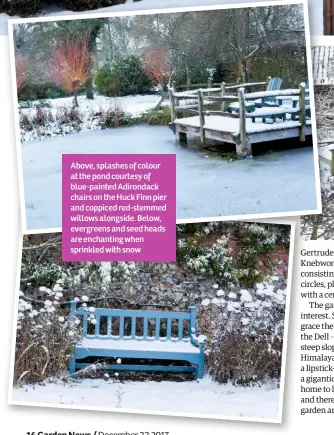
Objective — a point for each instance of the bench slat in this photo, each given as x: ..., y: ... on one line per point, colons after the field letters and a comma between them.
x: 169, y: 328
x: 180, y: 330
x: 109, y: 325
x: 145, y: 333
x: 157, y: 329
x: 133, y: 327
x: 97, y: 324
x: 85, y: 325
x: 121, y: 326
x: 137, y: 313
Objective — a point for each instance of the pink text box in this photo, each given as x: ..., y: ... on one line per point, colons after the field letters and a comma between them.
x: 107, y: 205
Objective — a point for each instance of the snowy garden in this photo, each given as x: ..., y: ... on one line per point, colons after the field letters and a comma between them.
x: 234, y: 273
x: 103, y: 85
x: 314, y: 227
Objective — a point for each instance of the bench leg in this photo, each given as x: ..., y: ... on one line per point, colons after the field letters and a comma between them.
x: 200, y: 368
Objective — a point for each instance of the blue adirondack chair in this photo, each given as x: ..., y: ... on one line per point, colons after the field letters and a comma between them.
x: 274, y: 84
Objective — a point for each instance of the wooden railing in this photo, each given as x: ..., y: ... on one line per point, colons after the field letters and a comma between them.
x: 202, y: 100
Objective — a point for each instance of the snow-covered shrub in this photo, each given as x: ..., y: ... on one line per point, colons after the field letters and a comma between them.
x: 157, y: 116
x: 240, y: 256
x: 84, y: 5
x: 46, y: 336
x: 214, y: 260
x: 42, y: 274
x: 112, y: 117
x: 246, y: 345
x: 20, y: 7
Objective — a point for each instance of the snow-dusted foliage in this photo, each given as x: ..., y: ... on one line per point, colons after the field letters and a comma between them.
x: 46, y: 336
x: 246, y: 344
x: 224, y: 268
x: 240, y: 262
x: 43, y: 119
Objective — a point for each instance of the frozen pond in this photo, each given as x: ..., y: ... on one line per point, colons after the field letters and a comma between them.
x: 207, y: 186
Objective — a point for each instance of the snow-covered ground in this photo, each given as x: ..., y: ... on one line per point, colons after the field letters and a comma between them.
x: 316, y: 14
x: 206, y: 185
x: 132, y: 105
x: 203, y: 397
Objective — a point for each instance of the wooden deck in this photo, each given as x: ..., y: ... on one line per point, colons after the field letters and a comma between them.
x: 242, y: 129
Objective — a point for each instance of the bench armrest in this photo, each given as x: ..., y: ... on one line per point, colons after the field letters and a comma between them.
x: 199, y: 341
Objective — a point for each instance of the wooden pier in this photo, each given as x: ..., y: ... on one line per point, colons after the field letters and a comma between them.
x: 244, y: 128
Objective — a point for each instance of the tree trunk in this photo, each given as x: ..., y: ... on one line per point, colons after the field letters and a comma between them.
x: 188, y: 76
x: 89, y: 89
x: 75, y: 99
x: 315, y: 227
x: 163, y: 96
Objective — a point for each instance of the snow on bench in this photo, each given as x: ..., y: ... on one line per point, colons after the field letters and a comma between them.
x: 149, y: 344
x: 163, y: 336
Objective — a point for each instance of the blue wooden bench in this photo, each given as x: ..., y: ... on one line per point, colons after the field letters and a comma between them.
x: 139, y: 334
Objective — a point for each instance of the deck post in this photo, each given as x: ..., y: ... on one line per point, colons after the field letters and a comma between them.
x: 172, y: 106
x: 243, y: 150
x: 210, y: 82
x: 222, y: 94
x: 302, y: 113
x: 183, y: 138
x: 201, y: 115
x: 177, y: 102
x: 268, y: 80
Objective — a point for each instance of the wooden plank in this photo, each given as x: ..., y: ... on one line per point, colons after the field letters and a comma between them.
x: 85, y: 325
x: 109, y: 319
x: 145, y: 332
x: 138, y: 313
x: 245, y: 85
x: 267, y: 94
x: 180, y: 330
x: 157, y: 329
x: 169, y: 329
x: 268, y: 136
x: 133, y: 326
x: 218, y: 112
x: 220, y: 99
x: 97, y: 324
